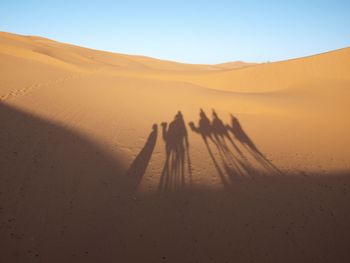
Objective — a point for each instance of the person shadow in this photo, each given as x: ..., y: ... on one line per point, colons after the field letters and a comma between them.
x: 138, y: 167
x: 175, y: 136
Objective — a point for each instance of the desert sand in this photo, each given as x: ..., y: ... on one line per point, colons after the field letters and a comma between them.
x: 108, y: 157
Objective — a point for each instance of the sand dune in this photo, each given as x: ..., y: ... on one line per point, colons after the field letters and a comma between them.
x: 331, y: 66
x: 107, y: 157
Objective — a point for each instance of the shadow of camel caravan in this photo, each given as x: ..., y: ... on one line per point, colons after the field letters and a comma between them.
x: 230, y: 161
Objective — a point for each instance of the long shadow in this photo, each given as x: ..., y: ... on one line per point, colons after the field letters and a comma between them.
x: 221, y: 134
x: 231, y: 163
x: 206, y: 131
x: 288, y: 218
x: 138, y: 167
x: 62, y: 199
x: 173, y: 175
x: 55, y: 189
x: 230, y: 157
x: 238, y: 132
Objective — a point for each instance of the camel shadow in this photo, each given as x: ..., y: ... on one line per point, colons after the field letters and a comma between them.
x: 230, y: 161
x: 231, y: 150
x: 173, y: 176
x: 62, y: 199
x: 241, y: 136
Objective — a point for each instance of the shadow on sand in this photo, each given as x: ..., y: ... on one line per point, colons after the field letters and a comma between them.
x: 244, y: 139
x: 56, y: 189
x: 232, y: 163
x: 63, y: 199
x: 138, y: 167
x: 173, y: 175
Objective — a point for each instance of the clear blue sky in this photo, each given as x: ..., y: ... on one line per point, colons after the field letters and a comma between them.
x: 195, y: 31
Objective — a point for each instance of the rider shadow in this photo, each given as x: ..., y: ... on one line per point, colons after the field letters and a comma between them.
x: 222, y: 135
x: 205, y: 129
x: 232, y: 164
x: 173, y: 176
x: 238, y: 133
x: 138, y: 167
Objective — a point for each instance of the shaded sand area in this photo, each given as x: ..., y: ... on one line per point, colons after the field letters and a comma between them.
x: 109, y: 157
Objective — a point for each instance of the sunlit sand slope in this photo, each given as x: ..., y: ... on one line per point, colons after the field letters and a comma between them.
x: 108, y: 157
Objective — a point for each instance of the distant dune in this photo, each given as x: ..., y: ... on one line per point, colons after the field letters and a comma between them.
x: 108, y: 157
x: 235, y: 65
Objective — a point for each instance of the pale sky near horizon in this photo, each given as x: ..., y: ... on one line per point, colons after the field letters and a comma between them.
x: 192, y: 31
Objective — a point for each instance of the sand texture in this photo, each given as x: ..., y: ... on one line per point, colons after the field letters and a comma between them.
x: 108, y: 157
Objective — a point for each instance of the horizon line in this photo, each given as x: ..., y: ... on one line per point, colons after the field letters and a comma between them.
x: 173, y: 60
